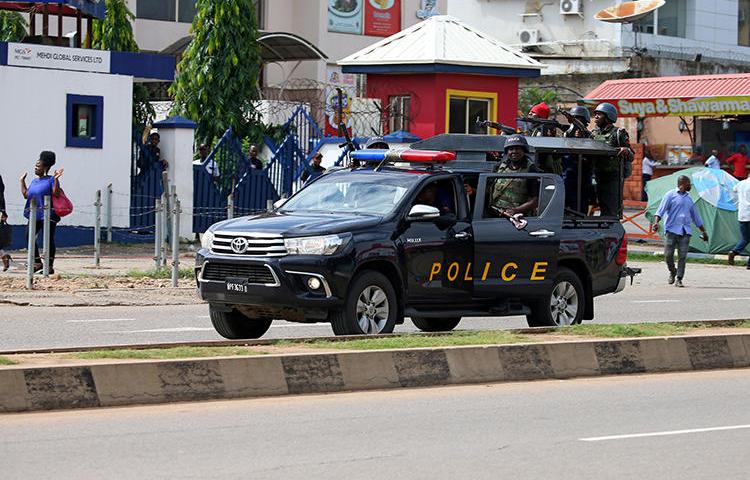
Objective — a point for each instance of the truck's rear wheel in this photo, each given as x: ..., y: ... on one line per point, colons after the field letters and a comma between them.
x: 371, y: 307
x: 235, y: 326
x: 565, y: 304
x: 436, y: 324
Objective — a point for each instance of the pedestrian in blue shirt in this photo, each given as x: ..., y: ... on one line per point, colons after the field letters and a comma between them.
x: 681, y: 213
x: 43, y: 185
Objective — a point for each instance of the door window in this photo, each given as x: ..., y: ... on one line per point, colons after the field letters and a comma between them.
x: 440, y: 194
x: 511, y: 195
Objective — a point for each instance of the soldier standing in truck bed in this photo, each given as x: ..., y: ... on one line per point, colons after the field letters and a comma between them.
x: 515, y: 195
x: 606, y: 169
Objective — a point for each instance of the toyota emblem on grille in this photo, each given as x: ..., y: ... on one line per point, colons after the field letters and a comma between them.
x: 239, y: 245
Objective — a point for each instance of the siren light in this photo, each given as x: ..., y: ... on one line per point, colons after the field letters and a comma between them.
x: 416, y: 156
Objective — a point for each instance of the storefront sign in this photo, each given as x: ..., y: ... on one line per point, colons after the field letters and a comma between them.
x: 42, y: 56
x: 683, y: 107
x: 382, y: 17
x: 345, y: 16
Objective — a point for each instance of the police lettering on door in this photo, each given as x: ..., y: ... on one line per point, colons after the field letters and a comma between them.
x: 507, y: 272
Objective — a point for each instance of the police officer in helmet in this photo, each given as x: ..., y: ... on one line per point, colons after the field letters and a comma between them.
x: 607, y: 170
x: 571, y: 165
x: 582, y: 114
x: 515, y: 195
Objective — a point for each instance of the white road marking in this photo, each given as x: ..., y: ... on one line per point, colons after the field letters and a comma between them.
x: 95, y: 320
x: 655, y: 301
x: 729, y: 299
x: 663, y: 434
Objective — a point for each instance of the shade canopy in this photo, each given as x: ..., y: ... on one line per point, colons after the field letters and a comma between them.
x: 66, y: 8
x: 696, y: 95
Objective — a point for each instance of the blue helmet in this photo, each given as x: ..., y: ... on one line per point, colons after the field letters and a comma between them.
x: 581, y: 112
x: 609, y: 110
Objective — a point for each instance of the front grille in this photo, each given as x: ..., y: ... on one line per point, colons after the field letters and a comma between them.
x: 257, y: 274
x: 257, y: 244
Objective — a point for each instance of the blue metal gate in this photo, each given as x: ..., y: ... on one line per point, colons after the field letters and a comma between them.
x: 146, y: 185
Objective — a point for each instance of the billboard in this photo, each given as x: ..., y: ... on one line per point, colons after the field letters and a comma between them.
x: 681, y: 107
x: 380, y: 18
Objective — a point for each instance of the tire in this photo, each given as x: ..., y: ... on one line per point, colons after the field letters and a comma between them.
x: 371, y: 306
x: 436, y: 324
x: 236, y: 326
x: 565, y: 304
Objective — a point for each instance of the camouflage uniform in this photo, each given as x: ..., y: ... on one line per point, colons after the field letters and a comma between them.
x: 609, y: 185
x: 512, y: 192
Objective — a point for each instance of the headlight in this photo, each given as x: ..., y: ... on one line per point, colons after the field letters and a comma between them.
x: 326, y: 245
x: 207, y: 239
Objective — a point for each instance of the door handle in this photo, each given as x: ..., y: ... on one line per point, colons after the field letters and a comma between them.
x: 462, y: 235
x: 543, y: 233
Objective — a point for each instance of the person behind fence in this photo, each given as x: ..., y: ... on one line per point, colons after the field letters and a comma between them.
x: 742, y: 190
x: 3, y: 219
x: 43, y: 185
x: 609, y: 185
x: 211, y: 166
x: 739, y: 162
x: 647, y: 172
x: 314, y: 170
x: 252, y: 156
x: 681, y: 213
x: 150, y: 154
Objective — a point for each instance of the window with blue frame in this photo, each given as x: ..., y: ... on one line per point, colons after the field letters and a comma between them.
x: 85, y: 121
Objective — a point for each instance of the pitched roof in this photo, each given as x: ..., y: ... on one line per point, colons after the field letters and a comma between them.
x: 728, y: 85
x: 441, y: 39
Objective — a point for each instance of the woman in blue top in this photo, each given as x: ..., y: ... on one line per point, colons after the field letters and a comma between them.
x: 43, y: 185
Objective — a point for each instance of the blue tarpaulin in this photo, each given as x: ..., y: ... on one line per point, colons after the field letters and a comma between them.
x: 68, y: 8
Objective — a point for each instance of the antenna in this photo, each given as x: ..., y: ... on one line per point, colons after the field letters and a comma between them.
x: 628, y: 12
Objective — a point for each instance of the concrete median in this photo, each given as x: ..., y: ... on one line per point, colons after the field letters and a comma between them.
x: 138, y: 382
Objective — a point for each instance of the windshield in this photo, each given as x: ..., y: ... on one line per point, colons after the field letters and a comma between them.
x: 370, y: 193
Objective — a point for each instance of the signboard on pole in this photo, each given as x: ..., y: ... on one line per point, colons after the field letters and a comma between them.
x: 58, y: 58
x: 382, y: 17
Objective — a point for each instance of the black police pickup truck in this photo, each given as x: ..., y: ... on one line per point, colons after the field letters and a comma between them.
x: 402, y: 236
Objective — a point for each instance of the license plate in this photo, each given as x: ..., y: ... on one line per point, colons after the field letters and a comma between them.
x: 237, y: 286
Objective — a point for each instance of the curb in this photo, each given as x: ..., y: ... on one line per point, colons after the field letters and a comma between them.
x: 136, y: 383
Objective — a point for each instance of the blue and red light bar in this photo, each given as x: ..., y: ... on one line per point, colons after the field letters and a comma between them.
x: 416, y: 156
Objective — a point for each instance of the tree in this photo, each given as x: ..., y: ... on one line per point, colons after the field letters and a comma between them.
x: 529, y: 97
x: 12, y: 26
x: 217, y: 78
x: 115, y: 33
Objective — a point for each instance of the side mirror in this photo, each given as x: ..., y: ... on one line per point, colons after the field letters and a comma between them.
x: 278, y: 203
x: 422, y: 213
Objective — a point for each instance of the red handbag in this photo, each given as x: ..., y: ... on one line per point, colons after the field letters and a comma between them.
x: 62, y: 204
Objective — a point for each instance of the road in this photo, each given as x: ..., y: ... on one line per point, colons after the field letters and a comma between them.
x: 711, y: 292
x: 676, y: 426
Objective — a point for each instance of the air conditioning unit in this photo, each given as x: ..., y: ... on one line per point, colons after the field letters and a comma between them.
x: 571, y: 7
x: 529, y: 36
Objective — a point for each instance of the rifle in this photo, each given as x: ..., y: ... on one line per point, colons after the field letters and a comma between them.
x: 505, y: 129
x: 577, y: 123
x: 517, y: 220
x: 544, y: 122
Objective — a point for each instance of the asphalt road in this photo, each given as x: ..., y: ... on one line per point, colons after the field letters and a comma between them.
x: 711, y: 292
x: 676, y: 426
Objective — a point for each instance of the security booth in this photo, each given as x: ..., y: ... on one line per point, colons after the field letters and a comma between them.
x: 679, y: 119
x: 441, y: 76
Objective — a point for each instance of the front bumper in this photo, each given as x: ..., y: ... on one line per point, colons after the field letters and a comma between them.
x: 284, y: 293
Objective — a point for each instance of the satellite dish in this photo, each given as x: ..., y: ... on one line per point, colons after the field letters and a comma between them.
x: 628, y: 12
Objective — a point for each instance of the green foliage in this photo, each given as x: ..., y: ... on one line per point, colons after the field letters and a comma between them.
x: 217, y: 78
x: 6, y: 361
x: 115, y: 33
x: 12, y: 26
x: 529, y: 97
x: 185, y: 272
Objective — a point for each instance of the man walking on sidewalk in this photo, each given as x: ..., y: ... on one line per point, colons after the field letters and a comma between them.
x: 680, y: 211
x: 743, y: 215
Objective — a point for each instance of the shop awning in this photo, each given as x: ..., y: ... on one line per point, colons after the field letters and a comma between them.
x: 66, y: 8
x: 275, y: 47
x: 689, y: 96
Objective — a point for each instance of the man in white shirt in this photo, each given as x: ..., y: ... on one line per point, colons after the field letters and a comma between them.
x: 713, y: 160
x: 742, y: 190
x: 648, y: 172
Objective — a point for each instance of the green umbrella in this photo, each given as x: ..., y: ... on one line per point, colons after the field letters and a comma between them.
x: 713, y: 194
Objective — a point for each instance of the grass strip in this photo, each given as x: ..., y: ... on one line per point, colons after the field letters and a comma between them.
x: 186, y: 272
x: 415, y: 341
x: 659, y: 257
x: 165, y: 353
x: 5, y: 361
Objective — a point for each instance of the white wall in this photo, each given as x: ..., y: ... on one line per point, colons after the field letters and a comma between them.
x: 34, y: 119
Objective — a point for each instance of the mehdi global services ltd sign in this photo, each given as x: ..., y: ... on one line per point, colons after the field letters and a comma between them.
x: 58, y: 58
x: 683, y: 107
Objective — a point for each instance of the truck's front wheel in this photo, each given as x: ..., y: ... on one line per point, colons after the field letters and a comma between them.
x: 565, y: 304
x: 371, y: 307
x: 235, y: 326
x: 435, y: 324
